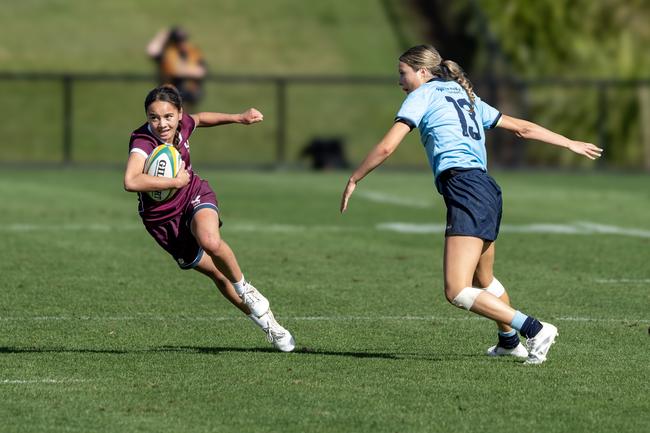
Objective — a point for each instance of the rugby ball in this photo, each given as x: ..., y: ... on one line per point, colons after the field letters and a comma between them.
x: 163, y: 161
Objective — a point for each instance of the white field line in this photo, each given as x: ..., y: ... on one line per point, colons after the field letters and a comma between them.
x: 67, y: 227
x: 236, y: 227
x: 411, y: 228
x: 118, y: 318
x: 285, y: 228
x: 190, y: 318
x: 576, y: 228
x: 380, y: 197
x: 607, y: 229
x: 623, y: 281
x: 31, y: 381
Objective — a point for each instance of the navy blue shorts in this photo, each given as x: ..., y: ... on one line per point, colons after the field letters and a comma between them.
x: 474, y: 204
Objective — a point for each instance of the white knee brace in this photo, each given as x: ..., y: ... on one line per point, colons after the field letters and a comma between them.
x: 496, y: 288
x: 466, y: 298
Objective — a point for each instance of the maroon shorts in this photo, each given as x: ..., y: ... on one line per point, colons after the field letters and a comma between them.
x: 175, y: 235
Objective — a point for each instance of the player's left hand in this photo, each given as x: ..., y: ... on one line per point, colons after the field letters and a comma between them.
x: 251, y: 115
x: 349, y: 189
x: 589, y: 150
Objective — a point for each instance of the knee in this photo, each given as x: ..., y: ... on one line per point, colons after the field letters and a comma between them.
x: 210, y: 243
x: 451, y: 292
x: 464, y: 297
x: 449, y: 298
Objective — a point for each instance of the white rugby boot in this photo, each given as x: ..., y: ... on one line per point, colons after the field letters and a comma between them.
x: 518, y: 352
x: 275, y: 333
x: 254, y: 300
x: 539, y: 345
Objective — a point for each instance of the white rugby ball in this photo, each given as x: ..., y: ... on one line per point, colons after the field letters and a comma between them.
x: 163, y: 161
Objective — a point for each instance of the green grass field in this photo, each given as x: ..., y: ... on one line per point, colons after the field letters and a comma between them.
x: 100, y: 332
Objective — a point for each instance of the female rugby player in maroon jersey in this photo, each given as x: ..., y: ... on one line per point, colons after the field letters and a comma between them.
x: 187, y: 224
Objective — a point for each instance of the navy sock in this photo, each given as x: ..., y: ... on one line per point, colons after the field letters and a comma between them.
x: 531, y: 327
x: 508, y: 340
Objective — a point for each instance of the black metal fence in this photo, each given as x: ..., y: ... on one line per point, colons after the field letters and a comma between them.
x: 492, y: 91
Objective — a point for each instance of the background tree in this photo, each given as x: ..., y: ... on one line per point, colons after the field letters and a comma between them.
x: 577, y: 40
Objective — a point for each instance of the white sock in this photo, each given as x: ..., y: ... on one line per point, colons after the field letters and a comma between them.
x: 239, y: 286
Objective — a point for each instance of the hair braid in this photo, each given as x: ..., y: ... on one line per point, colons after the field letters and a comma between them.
x: 457, y: 74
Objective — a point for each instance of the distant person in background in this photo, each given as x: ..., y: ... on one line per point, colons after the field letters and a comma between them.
x: 442, y: 105
x: 187, y: 224
x: 180, y: 63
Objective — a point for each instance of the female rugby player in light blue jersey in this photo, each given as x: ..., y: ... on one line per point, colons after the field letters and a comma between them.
x: 187, y: 224
x: 451, y: 120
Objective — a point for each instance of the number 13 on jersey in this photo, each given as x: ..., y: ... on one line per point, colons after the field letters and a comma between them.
x: 463, y: 109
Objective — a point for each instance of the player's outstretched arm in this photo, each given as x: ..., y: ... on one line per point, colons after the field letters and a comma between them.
x: 525, y: 129
x: 377, y: 155
x: 247, y: 117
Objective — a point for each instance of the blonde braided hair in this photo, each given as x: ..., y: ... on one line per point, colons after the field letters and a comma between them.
x: 427, y: 57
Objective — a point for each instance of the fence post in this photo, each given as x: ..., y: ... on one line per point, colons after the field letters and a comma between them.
x: 280, y: 133
x: 643, y: 93
x: 602, y: 121
x: 67, y: 119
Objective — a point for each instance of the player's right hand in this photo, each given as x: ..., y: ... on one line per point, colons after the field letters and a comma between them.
x: 251, y: 116
x: 183, y: 176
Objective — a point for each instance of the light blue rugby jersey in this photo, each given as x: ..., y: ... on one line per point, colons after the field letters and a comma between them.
x: 452, y: 136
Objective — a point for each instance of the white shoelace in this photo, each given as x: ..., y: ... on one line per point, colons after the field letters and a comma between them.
x: 274, y: 331
x: 540, y: 347
x: 250, y: 296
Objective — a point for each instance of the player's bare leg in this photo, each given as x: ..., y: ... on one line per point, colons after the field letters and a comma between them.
x: 484, y: 275
x: 276, y: 334
x: 509, y: 343
x: 462, y: 254
x: 206, y: 266
x: 205, y: 227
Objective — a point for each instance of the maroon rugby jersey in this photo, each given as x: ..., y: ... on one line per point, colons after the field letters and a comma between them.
x: 143, y: 141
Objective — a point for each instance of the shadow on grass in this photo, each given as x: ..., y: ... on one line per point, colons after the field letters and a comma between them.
x: 224, y: 350
x: 299, y: 351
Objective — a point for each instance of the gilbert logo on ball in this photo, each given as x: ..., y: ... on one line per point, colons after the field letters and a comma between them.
x: 163, y: 161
